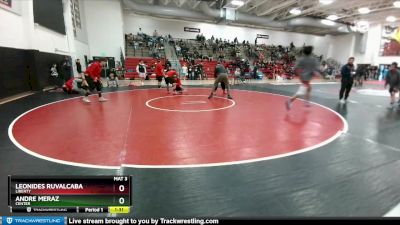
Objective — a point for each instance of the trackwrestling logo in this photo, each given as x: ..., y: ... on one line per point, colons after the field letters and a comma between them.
x: 23, y: 220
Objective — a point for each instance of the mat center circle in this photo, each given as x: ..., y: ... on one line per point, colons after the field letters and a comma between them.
x: 190, y: 103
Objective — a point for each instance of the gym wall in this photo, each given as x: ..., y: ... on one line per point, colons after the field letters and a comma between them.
x: 26, y: 70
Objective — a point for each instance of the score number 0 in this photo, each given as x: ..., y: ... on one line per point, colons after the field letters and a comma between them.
x: 121, y: 188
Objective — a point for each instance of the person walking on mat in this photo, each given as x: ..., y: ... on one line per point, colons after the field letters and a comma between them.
x: 222, y: 77
x: 305, y: 67
x: 91, y: 80
x: 348, y: 73
x: 393, y: 80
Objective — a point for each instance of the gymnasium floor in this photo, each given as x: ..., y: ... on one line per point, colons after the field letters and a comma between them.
x: 194, y: 157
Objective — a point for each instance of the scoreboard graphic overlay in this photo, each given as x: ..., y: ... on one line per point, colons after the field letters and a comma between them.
x: 78, y: 194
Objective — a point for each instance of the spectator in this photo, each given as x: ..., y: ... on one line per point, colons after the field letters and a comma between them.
x: 191, y: 72
x: 385, y: 72
x: 112, y: 81
x: 140, y: 33
x: 184, y: 71
x: 141, y: 70
x: 255, y: 69
x: 67, y: 67
x: 178, y: 49
x: 78, y: 66
x: 292, y: 47
x: 53, y: 70
x: 323, y: 69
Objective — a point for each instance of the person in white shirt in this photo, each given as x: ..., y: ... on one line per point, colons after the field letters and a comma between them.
x: 178, y: 49
x: 112, y: 81
x: 184, y: 71
x: 141, y: 69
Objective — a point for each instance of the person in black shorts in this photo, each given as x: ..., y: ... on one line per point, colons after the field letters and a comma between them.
x: 347, y: 73
x: 159, y: 72
x: 222, y: 77
x: 170, y: 78
x: 360, y: 73
x: 91, y: 80
x: 393, y: 80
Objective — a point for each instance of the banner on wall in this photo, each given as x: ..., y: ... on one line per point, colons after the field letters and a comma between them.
x: 191, y: 29
x: 397, y: 35
x: 390, y: 41
x: 6, y: 2
x: 264, y: 36
x: 12, y: 6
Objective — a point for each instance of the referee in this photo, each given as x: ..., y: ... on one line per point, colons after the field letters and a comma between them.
x: 347, y: 72
x: 222, y: 77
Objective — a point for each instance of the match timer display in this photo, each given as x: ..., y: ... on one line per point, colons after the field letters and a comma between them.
x: 79, y: 194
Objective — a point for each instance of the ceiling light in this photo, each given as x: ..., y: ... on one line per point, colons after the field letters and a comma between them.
x: 295, y: 11
x: 343, y: 29
x: 325, y: 2
x: 237, y: 2
x: 364, y: 10
x: 396, y: 4
x: 353, y: 28
x: 328, y: 22
x: 332, y: 17
x: 362, y: 23
x: 391, y: 19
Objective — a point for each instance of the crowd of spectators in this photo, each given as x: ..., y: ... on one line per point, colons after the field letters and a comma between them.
x: 269, y: 60
x: 255, y: 60
x: 154, y: 43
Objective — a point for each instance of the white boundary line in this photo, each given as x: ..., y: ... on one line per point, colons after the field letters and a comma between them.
x: 394, y: 212
x: 193, y: 111
x: 11, y: 136
x: 16, y: 97
x: 286, y: 84
x: 374, y: 92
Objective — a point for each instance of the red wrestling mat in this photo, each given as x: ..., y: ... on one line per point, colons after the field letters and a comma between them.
x: 148, y: 128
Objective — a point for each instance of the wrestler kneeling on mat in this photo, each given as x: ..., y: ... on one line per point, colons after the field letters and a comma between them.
x: 177, y: 85
x: 72, y: 86
x: 170, y: 78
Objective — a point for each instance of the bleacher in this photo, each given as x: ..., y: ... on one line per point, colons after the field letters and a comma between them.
x: 209, y: 60
x: 208, y: 51
x: 142, y: 48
